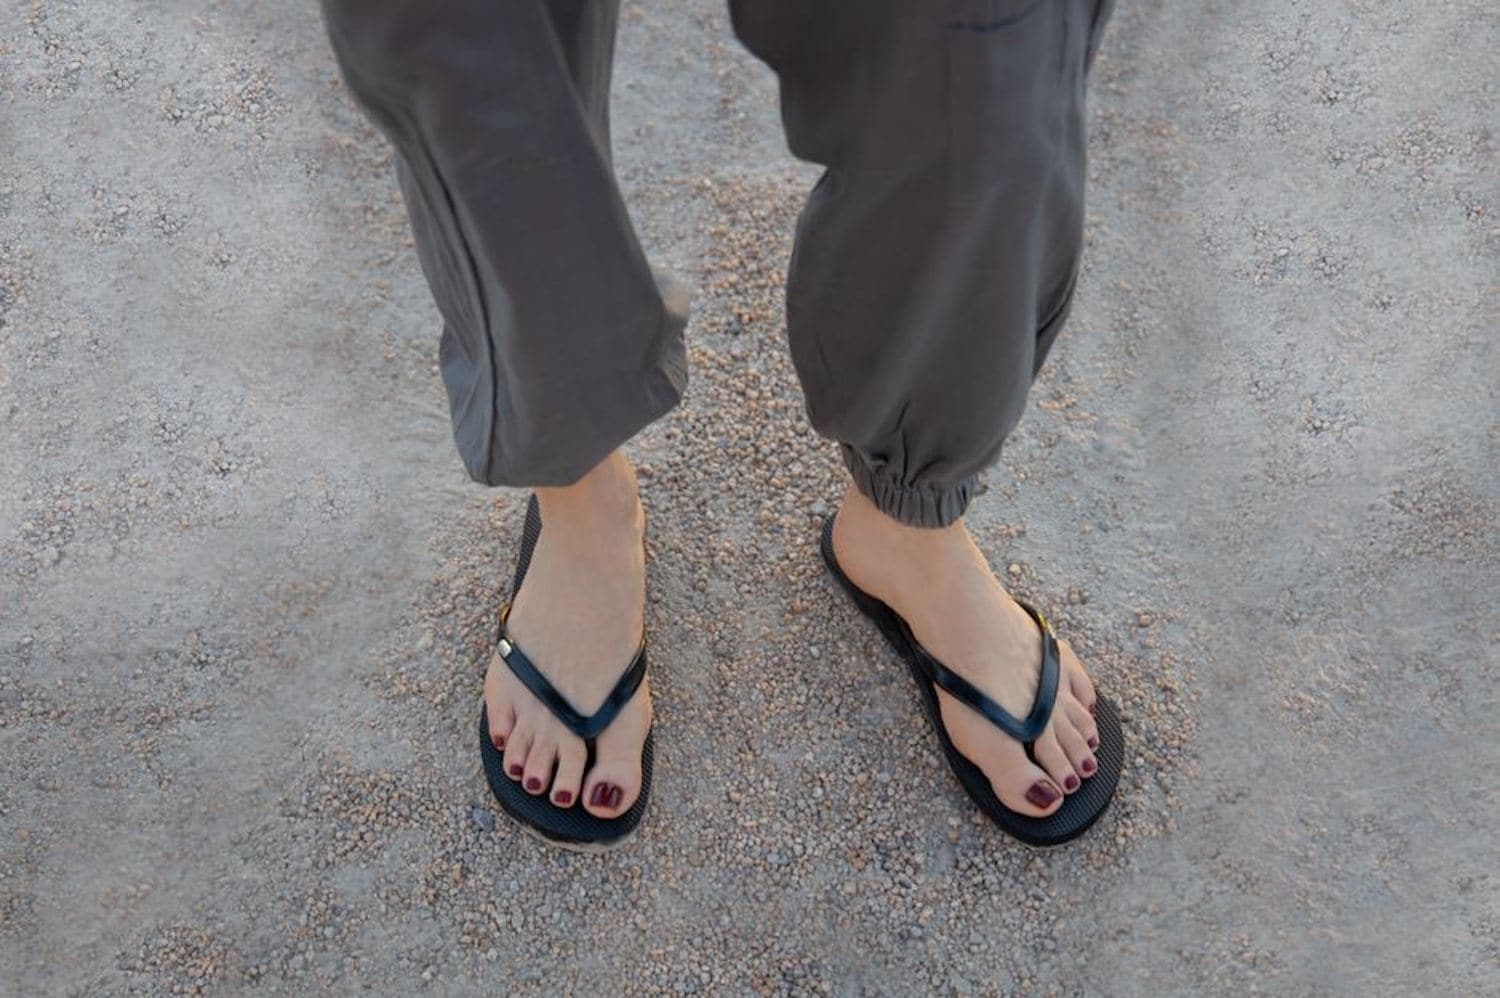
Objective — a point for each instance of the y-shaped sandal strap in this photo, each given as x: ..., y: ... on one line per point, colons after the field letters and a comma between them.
x: 585, y: 727
x: 1024, y: 731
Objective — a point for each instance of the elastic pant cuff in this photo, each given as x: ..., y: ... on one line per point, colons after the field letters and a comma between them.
x: 918, y: 505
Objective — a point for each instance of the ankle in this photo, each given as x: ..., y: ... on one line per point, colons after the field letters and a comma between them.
x: 859, y: 512
x: 607, y: 493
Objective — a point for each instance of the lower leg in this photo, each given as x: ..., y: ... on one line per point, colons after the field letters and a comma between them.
x: 934, y: 264
x: 606, y: 497
x: 559, y: 341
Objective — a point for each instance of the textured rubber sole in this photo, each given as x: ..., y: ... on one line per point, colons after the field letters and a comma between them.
x: 568, y: 827
x: 1080, y: 809
x: 583, y: 848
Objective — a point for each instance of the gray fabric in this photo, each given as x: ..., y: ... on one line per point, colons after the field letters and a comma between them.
x: 935, y: 259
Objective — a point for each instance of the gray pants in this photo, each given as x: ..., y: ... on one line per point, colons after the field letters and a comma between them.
x: 934, y: 263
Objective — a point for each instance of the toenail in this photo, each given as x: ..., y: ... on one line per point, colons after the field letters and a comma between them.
x: 1070, y: 783
x: 1087, y: 766
x: 615, y: 794
x: 564, y: 797
x: 597, y: 796
x: 533, y: 784
x: 1042, y: 794
x: 516, y: 770
x: 499, y: 742
x: 1093, y: 741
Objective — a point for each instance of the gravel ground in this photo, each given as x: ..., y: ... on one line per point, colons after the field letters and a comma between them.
x: 245, y: 585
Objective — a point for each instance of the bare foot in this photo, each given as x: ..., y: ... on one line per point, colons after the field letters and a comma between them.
x: 940, y: 583
x: 579, y: 618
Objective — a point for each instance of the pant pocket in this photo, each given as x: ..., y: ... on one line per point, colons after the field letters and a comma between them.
x: 1005, y: 67
x: 991, y: 15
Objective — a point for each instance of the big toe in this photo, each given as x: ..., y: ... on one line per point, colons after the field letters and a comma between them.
x: 612, y: 787
x: 1022, y: 785
x: 614, y: 781
x: 1027, y: 789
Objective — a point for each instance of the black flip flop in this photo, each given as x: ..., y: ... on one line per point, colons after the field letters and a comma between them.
x: 1081, y: 808
x: 571, y: 827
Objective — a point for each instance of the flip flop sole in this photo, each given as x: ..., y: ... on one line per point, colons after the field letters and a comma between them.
x: 1079, y: 810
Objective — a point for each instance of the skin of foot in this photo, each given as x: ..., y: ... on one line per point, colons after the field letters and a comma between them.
x: 938, y: 580
x: 579, y: 618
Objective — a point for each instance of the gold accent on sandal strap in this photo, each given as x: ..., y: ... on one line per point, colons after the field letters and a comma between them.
x: 502, y: 643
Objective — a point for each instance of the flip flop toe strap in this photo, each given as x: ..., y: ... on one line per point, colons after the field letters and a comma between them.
x: 584, y: 726
x: 1025, y: 730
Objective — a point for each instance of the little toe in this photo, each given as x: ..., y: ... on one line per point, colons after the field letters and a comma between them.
x: 502, y: 720
x: 1049, y: 752
x: 537, y: 775
x: 1084, y: 723
x: 1079, y: 682
x: 516, y: 747
x: 1080, y: 757
x: 571, y: 758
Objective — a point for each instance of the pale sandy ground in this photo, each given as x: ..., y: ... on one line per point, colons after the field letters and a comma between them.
x: 244, y: 583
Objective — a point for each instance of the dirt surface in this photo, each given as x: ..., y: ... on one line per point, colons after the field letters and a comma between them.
x: 245, y: 585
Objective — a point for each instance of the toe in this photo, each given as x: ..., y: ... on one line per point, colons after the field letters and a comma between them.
x: 502, y: 719
x: 1079, y: 682
x: 1084, y: 724
x: 611, y: 788
x: 1073, y: 745
x: 499, y: 705
x: 537, y: 776
x: 1049, y: 752
x: 1026, y: 789
x: 571, y: 757
x: 614, y: 781
x: 516, y: 747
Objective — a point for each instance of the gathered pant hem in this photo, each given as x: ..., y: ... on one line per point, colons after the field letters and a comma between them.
x: 918, y: 504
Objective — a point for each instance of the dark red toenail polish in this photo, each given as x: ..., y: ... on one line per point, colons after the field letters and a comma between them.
x: 1042, y: 794
x: 1087, y: 766
x: 615, y: 795
x: 533, y: 784
x: 516, y: 770
x: 1070, y: 783
x: 1093, y: 741
x: 498, y: 742
x: 597, y: 796
x: 564, y: 797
